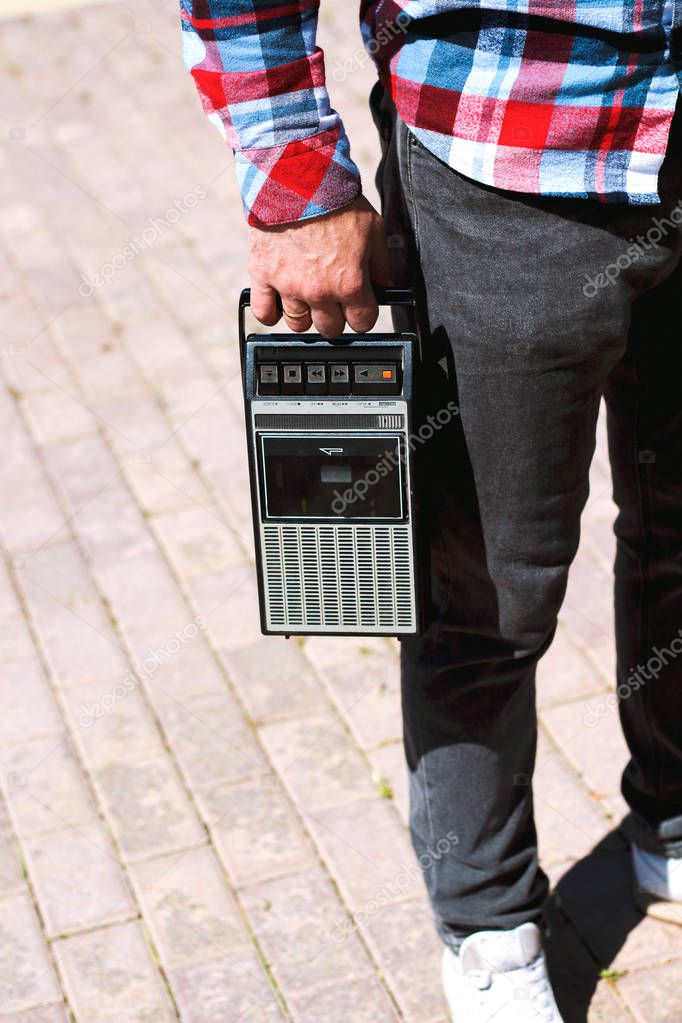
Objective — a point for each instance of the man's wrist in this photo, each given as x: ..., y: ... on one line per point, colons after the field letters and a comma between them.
x: 301, y: 180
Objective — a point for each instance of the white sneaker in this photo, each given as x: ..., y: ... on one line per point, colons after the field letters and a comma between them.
x: 656, y: 877
x: 500, y: 976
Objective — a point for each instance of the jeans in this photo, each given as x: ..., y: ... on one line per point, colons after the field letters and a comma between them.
x: 532, y: 310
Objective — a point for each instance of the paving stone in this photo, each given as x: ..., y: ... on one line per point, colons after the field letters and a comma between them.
x: 109, y: 975
x: 46, y: 522
x: 16, y: 643
x: 44, y: 1014
x: 189, y: 908
x: 102, y: 512
x: 167, y: 482
x: 234, y: 988
x: 109, y: 371
x: 43, y: 786
x: 192, y: 672
x: 110, y: 721
x: 389, y: 769
x: 112, y: 528
x: 317, y: 762
x: 365, y: 1001
x: 229, y: 601
x: 9, y: 604
x: 298, y: 922
x: 58, y: 574
x: 653, y: 996
x: 237, y: 813
x: 84, y: 469
x: 602, y: 652
x: 149, y: 810
x: 211, y: 740
x: 186, y: 391
x: 273, y: 678
x: 28, y: 707
x: 11, y: 876
x: 587, y: 610
x: 570, y: 822
x: 197, y: 541
x: 403, y: 940
x: 139, y: 426
x: 597, y: 751
x: 367, y: 864
x: 77, y: 879
x: 606, y: 1006
x: 27, y: 977
x: 565, y: 673
x: 146, y: 602
x: 327, y: 652
x: 80, y: 642
x: 55, y: 416
x: 650, y: 943
x: 367, y: 690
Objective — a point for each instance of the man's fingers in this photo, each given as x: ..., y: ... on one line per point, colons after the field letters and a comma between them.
x: 296, y: 313
x: 362, y: 310
x: 264, y: 303
x: 329, y: 319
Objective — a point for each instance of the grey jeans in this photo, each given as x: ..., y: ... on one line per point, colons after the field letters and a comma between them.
x: 533, y: 309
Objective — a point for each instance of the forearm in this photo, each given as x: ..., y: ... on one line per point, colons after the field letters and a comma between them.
x: 261, y: 80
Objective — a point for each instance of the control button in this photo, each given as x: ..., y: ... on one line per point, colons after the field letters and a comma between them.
x: 339, y: 378
x: 268, y: 378
x: 340, y: 374
x: 376, y: 378
x: 316, y: 378
x: 292, y: 378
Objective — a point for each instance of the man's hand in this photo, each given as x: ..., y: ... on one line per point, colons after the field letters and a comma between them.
x: 323, y: 268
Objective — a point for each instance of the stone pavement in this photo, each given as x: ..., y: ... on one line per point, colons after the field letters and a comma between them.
x: 191, y: 847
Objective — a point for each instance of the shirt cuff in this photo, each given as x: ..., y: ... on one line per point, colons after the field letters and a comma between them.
x: 297, y: 180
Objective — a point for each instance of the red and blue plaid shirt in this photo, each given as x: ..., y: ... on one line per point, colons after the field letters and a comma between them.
x: 552, y: 97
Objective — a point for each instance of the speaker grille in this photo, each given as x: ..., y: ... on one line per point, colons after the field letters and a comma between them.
x: 345, y: 577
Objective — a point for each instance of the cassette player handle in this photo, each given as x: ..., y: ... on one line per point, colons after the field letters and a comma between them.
x: 384, y: 296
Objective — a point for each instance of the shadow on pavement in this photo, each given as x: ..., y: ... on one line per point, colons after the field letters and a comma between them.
x: 590, y: 913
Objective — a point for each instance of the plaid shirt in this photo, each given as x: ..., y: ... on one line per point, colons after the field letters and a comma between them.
x: 552, y: 97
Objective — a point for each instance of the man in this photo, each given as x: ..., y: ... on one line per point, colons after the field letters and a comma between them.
x: 530, y: 181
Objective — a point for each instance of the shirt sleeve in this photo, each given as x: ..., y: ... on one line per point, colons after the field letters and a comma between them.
x: 261, y: 79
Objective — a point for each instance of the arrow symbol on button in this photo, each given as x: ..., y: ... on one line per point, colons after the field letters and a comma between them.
x: 332, y: 451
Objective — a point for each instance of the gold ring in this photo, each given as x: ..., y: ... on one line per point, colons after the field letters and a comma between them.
x: 296, y: 316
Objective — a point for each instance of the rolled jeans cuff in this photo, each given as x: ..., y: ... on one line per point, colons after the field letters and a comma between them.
x: 663, y: 838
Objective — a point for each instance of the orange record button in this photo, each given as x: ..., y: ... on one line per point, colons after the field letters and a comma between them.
x: 387, y: 374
